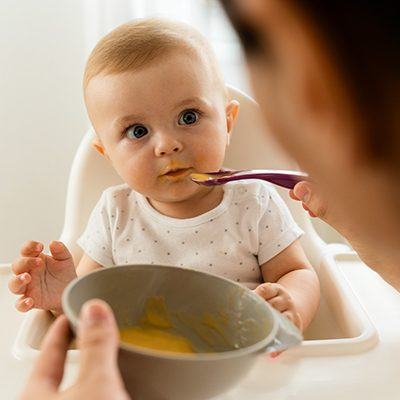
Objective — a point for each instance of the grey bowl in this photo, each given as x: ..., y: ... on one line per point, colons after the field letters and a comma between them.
x: 250, y: 327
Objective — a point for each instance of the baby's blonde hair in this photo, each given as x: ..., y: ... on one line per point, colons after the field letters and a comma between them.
x: 137, y: 44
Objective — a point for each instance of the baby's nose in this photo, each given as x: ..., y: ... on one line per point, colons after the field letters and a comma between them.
x: 167, y: 146
x: 163, y: 153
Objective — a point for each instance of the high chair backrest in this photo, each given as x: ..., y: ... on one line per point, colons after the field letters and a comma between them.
x: 251, y: 147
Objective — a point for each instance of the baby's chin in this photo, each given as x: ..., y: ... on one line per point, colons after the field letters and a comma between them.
x: 180, y: 193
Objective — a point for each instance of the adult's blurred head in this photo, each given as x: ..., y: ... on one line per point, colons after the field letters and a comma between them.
x: 326, y: 75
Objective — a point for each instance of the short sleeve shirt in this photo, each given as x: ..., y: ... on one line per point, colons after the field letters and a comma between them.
x: 251, y: 225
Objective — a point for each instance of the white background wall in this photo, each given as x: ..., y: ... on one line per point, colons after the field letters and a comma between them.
x: 42, y: 116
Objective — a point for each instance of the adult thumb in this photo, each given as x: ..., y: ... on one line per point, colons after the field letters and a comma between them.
x: 309, y: 195
x: 98, y: 339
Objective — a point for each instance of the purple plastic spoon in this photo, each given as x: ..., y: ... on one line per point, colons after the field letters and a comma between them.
x: 286, y: 179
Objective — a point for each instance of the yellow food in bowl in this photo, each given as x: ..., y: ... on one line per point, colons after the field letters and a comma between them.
x: 156, y: 330
x: 156, y: 339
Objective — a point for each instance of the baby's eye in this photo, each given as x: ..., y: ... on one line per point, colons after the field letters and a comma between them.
x: 136, y: 131
x: 188, y: 117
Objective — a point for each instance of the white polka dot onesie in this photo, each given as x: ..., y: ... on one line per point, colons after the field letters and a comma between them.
x: 250, y: 226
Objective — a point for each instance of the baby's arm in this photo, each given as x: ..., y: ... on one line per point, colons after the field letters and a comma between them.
x: 86, y: 265
x: 292, y: 286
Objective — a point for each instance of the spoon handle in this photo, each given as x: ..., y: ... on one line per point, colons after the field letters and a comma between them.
x: 287, y: 180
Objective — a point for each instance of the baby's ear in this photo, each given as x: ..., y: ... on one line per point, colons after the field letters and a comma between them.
x: 98, y: 146
x: 231, y: 111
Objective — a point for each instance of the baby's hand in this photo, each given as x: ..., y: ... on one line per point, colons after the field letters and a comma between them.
x: 39, y: 278
x: 279, y: 298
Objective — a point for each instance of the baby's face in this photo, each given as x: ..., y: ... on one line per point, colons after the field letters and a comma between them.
x: 159, y: 124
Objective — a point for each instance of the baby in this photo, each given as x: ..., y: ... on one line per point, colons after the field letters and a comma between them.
x: 160, y: 110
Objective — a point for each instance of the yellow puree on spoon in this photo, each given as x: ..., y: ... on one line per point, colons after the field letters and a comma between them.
x: 201, y: 177
x: 156, y: 330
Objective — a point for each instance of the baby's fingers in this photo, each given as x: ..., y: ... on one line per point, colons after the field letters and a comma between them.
x: 280, y: 303
x: 31, y: 249
x: 24, y: 304
x: 295, y: 318
x: 17, y: 284
x: 59, y: 251
x: 25, y: 264
x: 267, y: 290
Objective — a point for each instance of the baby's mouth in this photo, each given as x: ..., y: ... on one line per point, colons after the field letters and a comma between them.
x: 177, y: 173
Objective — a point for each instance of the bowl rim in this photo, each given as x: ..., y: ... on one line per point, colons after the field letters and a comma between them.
x: 259, y: 346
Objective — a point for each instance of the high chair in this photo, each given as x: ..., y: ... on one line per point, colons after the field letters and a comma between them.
x: 251, y: 147
x: 341, y: 328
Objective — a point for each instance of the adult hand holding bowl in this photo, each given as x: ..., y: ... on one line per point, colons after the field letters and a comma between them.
x: 226, y: 324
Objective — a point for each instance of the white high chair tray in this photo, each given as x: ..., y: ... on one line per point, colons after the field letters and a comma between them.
x: 355, y: 367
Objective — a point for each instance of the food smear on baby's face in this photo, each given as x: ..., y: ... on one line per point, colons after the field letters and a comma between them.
x: 156, y: 331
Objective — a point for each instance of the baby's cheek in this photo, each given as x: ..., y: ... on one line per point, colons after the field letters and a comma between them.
x: 140, y: 183
x: 209, y: 155
x: 138, y: 175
